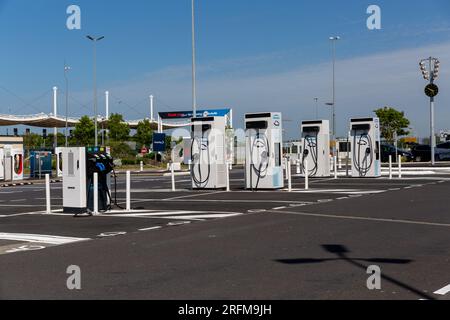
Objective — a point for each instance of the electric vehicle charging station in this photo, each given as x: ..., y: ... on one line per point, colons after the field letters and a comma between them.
x: 365, y: 139
x: 264, y: 139
x: 316, y: 148
x: 208, y: 148
x: 59, y: 170
x: 78, y: 175
x: 13, y: 164
x: 40, y: 164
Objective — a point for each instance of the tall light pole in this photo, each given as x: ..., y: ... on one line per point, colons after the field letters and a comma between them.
x: 95, y: 40
x: 194, y: 85
x: 333, y: 41
x: 66, y: 70
x: 431, y: 90
x: 55, y: 112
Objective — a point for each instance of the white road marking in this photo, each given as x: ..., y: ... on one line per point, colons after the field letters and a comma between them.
x: 112, y: 234
x: 21, y: 214
x: 219, y: 200
x: 205, y: 216
x: 339, y: 191
x: 279, y: 208
x: 25, y: 248
x: 443, y: 291
x: 194, y: 195
x: 434, y: 224
x: 174, y: 224
x: 149, y: 229
x: 39, y: 238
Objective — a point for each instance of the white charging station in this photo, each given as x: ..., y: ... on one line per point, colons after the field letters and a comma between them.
x: 2, y: 164
x: 208, y: 165
x: 365, y: 139
x: 59, y: 170
x: 316, y: 148
x: 79, y: 167
x: 74, y: 180
x: 13, y: 163
x: 264, y: 139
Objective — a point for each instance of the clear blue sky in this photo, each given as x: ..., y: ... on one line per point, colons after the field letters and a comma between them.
x: 255, y: 45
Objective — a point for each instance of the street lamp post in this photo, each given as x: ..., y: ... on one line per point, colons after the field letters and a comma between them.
x: 333, y: 41
x: 66, y: 70
x: 95, y: 40
x: 431, y: 91
x: 194, y: 84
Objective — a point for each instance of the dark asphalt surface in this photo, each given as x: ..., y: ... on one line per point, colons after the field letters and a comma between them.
x: 237, y: 245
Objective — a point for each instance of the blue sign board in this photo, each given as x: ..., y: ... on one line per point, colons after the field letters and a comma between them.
x: 159, y: 142
x: 188, y: 114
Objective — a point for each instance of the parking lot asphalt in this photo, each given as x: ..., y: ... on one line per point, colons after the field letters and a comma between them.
x: 307, y: 244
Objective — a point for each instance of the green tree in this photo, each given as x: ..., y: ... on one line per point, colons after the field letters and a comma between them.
x: 392, y: 121
x: 144, y: 133
x: 32, y: 141
x: 118, y: 129
x: 84, y: 132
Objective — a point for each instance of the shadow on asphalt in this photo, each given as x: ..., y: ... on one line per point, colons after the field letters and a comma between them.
x: 342, y: 255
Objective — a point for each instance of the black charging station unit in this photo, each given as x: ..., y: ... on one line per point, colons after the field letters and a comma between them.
x: 100, y: 162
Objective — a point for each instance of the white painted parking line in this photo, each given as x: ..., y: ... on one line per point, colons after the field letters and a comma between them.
x: 205, y: 216
x: 194, y: 195
x: 330, y: 216
x: 39, y: 238
x: 279, y: 208
x: 149, y: 229
x: 443, y: 291
x: 339, y: 191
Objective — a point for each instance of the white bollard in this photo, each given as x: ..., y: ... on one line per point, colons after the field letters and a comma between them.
x: 172, y: 170
x: 95, y: 199
x: 228, y: 177
x: 399, y: 167
x: 47, y: 193
x: 285, y: 168
x: 335, y: 168
x: 142, y: 166
x: 289, y: 176
x: 306, y: 175
x: 390, y: 167
x: 340, y: 163
x: 298, y: 167
x: 128, y: 191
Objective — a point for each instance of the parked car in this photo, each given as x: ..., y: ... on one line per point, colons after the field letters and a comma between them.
x: 389, y: 150
x: 422, y: 153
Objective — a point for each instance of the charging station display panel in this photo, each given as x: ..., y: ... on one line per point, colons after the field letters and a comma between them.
x: 365, y: 145
x: 316, y: 148
x: 264, y: 151
x: 208, y: 148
